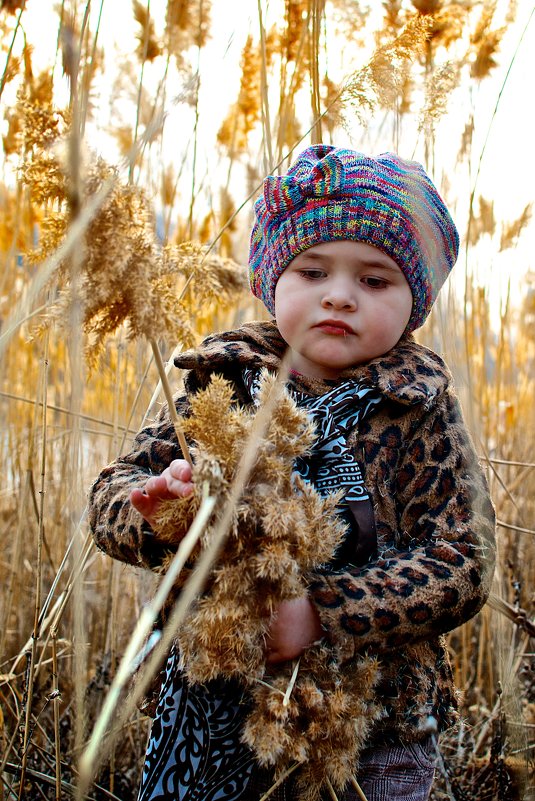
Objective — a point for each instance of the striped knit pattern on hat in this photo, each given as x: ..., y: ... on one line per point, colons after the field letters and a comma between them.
x: 332, y: 193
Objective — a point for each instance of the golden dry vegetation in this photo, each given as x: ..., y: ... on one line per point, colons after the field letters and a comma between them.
x: 116, y: 248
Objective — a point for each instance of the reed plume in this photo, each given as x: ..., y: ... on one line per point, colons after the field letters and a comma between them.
x: 244, y: 114
x: 149, y: 48
x: 128, y: 277
x: 511, y: 231
x: 484, y: 222
x: 12, y: 6
x: 379, y: 82
x: 485, y: 42
x: 187, y: 23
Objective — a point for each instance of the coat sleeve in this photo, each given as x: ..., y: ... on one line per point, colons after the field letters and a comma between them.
x: 438, y: 575
x: 117, y: 528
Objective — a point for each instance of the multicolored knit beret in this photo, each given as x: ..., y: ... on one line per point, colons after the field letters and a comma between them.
x: 331, y: 193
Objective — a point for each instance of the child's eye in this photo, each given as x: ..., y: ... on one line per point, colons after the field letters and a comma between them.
x: 312, y: 275
x: 375, y: 283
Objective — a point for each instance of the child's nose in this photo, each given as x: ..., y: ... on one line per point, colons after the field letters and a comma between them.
x: 339, y: 296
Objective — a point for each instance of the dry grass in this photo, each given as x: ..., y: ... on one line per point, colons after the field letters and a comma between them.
x: 68, y: 612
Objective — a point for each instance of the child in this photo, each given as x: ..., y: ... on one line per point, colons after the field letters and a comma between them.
x: 348, y: 253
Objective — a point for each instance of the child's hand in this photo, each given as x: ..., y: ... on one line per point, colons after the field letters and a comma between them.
x: 295, y: 627
x: 174, y: 482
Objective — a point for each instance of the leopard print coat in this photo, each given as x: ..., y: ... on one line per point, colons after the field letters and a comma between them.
x: 434, y: 519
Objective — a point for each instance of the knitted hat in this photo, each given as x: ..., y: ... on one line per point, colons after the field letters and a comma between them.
x: 331, y: 193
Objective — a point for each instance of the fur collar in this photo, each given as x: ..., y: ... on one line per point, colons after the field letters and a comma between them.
x: 409, y: 374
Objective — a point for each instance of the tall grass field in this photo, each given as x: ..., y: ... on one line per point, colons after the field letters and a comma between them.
x: 135, y: 137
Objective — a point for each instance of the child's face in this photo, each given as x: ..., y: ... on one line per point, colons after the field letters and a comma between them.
x: 339, y: 304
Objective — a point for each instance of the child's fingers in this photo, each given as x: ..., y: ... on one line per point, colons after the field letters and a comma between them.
x: 142, y: 503
x: 158, y: 487
x: 174, y: 482
x: 178, y: 489
x: 181, y: 470
x: 168, y: 486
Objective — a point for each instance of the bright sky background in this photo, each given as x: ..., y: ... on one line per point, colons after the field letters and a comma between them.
x: 508, y: 167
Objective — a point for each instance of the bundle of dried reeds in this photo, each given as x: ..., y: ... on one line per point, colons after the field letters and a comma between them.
x: 281, y: 530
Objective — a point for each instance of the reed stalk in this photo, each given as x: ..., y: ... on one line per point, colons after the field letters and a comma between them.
x: 38, y: 583
x: 331, y: 789
x: 266, y: 122
x: 139, y: 390
x: 286, y: 775
x: 170, y: 400
x: 10, y: 50
x: 287, y: 92
x: 56, y: 702
x: 143, y: 627
x: 132, y: 161
x: 195, y: 125
x: 358, y: 789
x: 18, y: 552
x: 86, y: 80
x: 315, y: 14
x: 491, y: 125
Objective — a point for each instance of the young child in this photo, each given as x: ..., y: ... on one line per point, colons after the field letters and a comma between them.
x: 348, y: 253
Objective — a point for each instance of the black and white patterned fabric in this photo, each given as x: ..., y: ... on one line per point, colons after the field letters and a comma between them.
x: 331, y: 465
x: 194, y: 751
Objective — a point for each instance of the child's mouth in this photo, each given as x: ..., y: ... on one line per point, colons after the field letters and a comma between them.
x: 335, y: 327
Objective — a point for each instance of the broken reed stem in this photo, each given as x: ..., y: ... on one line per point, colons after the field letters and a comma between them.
x: 70, y: 789
x: 509, y: 527
x: 291, y: 683
x: 269, y: 686
x: 170, y: 401
x: 280, y: 780
x: 90, y: 758
x: 358, y: 789
x: 68, y: 413
x: 517, y: 615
